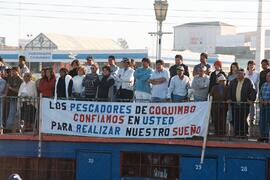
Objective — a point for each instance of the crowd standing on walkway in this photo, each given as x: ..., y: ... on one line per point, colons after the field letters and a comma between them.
x: 233, y: 94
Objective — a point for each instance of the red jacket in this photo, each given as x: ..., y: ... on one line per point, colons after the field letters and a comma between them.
x: 46, y: 87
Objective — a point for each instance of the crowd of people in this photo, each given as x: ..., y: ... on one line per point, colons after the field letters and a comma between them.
x: 233, y: 94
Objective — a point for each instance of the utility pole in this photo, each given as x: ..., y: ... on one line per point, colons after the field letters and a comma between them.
x: 260, y: 39
x: 161, y: 8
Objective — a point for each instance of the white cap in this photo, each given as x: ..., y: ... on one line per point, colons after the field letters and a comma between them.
x: 221, y: 78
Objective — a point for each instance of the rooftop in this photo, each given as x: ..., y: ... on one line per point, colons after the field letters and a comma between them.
x: 210, y: 23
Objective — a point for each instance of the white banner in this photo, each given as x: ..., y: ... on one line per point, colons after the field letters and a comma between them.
x: 124, y: 120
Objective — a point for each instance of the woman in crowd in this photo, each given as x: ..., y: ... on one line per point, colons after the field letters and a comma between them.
x: 105, y: 90
x: 232, y: 74
x: 63, y: 85
x: 42, y: 76
x: 47, y: 85
x: 77, y: 89
x: 75, y: 64
x: 91, y: 82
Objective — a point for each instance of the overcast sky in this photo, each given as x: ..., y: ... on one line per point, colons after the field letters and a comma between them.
x: 128, y: 19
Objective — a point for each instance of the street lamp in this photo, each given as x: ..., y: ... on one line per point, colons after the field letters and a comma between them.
x: 161, y: 8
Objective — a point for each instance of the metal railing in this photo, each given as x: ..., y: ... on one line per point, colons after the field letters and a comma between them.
x: 228, y: 121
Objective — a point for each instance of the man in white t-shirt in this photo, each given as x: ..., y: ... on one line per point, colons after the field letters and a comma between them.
x: 179, y: 86
x: 159, y: 80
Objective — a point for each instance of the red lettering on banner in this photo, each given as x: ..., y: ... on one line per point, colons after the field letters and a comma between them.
x: 187, y: 130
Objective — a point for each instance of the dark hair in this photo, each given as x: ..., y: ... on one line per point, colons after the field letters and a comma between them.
x: 145, y: 59
x: 1, y: 59
x: 205, y: 55
x: 233, y: 64
x: 89, y: 57
x: 111, y: 57
x: 250, y: 62
x: 63, y: 69
x: 15, y: 69
x: 22, y: 58
x: 75, y: 61
x: 51, y: 72
x: 265, y: 61
x: 107, y: 68
x: 241, y: 69
x: 179, y: 56
x: 160, y: 62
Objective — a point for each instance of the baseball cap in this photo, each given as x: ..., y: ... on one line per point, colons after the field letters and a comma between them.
x: 221, y: 78
x: 14, y: 176
x: 89, y: 58
x: 181, y: 68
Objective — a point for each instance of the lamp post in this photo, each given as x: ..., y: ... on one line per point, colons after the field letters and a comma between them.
x: 161, y: 8
x: 260, y: 39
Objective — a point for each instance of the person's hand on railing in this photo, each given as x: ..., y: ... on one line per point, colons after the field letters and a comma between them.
x: 263, y: 102
x: 250, y: 102
x: 229, y: 101
x: 168, y: 100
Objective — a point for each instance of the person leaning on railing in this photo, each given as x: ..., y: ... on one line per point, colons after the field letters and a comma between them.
x: 47, y: 84
x: 27, y: 93
x: 13, y: 84
x: 142, y: 84
x: 241, y: 94
x: 125, y: 81
x: 200, y: 85
x: 105, y: 88
x: 77, y: 88
x: 63, y: 85
x: 159, y: 80
x: 219, y: 109
x: 2, y: 94
x: 264, y: 97
x: 90, y: 82
x: 179, y: 86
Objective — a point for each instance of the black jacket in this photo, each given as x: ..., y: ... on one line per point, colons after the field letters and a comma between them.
x: 247, y: 91
x: 173, y: 70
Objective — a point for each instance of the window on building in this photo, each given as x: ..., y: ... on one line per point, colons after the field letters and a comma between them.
x: 150, y: 165
x: 38, y: 168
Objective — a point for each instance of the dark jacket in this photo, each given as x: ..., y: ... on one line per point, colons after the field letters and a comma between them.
x: 173, y: 70
x: 104, y: 87
x: 213, y: 78
x: 61, y: 88
x: 217, y: 95
x: 73, y: 72
x: 247, y: 91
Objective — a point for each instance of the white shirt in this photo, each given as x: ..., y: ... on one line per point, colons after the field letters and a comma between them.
x: 178, y: 86
x: 77, y: 84
x: 125, y: 78
x: 28, y: 89
x: 254, y: 77
x: 160, y: 90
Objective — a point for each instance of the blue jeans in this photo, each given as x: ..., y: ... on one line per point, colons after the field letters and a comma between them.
x: 157, y: 99
x: 177, y: 98
x: 12, y: 113
x: 198, y: 98
x: 264, y: 120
